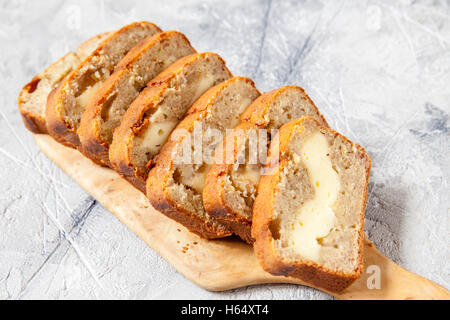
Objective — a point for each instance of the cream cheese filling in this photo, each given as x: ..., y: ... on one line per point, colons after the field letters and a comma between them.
x: 156, y: 135
x: 315, y: 218
x: 196, y: 180
x: 158, y: 131
x: 84, y: 98
x: 204, y: 83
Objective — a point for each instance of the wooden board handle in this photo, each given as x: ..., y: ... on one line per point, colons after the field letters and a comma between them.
x: 382, y: 279
x: 394, y: 282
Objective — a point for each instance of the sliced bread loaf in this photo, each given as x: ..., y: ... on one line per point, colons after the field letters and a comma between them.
x: 231, y: 183
x: 105, y: 110
x: 308, y: 216
x: 68, y: 102
x: 150, y: 119
x: 33, y: 97
x: 175, y: 183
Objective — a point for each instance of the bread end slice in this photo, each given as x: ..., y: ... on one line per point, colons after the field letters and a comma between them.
x: 32, y: 117
x: 308, y: 217
x: 63, y: 112
x: 33, y: 97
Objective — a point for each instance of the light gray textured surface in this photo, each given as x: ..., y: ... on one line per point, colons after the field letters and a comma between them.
x: 378, y: 70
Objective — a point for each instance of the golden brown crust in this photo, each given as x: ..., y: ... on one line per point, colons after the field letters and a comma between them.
x: 136, y: 120
x: 263, y: 207
x: 256, y: 111
x: 93, y: 145
x: 164, y: 169
x: 157, y: 192
x: 57, y: 126
x: 214, y: 191
x: 214, y: 201
x: 33, y: 122
x: 85, y: 48
x: 51, y: 101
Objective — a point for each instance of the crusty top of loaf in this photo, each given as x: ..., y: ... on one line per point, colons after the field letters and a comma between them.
x: 264, y: 111
x: 152, y: 94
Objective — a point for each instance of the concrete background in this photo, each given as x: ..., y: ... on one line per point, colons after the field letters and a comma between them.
x: 378, y: 70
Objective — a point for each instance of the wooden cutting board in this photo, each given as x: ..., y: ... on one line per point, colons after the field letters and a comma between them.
x: 218, y: 265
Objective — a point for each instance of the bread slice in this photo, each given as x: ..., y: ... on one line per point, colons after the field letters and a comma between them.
x: 175, y: 183
x: 308, y: 217
x: 231, y: 184
x: 104, y: 112
x: 150, y: 119
x: 33, y: 97
x: 68, y: 102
